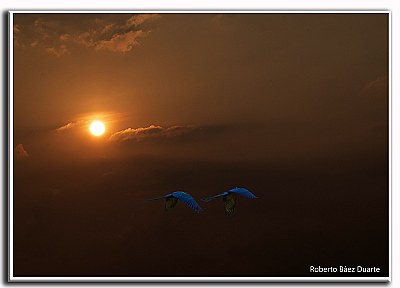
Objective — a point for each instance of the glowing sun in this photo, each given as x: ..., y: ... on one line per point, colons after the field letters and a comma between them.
x: 97, y: 128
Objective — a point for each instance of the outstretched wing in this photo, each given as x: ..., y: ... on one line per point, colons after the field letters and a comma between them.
x: 188, y: 199
x: 243, y: 192
x: 207, y: 199
x: 230, y: 203
x: 170, y: 203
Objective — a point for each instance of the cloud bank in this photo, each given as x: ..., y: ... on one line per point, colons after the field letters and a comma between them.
x: 152, y: 131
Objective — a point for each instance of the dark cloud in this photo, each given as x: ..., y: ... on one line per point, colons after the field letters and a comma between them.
x: 20, y: 152
x: 152, y: 131
x: 178, y: 130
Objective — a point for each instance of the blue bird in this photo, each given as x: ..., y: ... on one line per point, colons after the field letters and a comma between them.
x: 229, y: 198
x: 172, y: 199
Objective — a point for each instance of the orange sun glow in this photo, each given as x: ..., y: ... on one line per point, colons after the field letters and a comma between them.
x: 97, y: 128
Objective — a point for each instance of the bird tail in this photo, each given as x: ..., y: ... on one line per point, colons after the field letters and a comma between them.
x: 208, y: 199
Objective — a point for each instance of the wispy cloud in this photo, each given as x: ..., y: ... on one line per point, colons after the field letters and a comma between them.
x: 141, y: 18
x: 67, y: 126
x: 152, y: 131
x: 42, y: 29
x: 16, y: 28
x: 381, y: 83
x: 20, y: 152
x: 116, y: 37
x: 121, y: 42
x: 59, y: 40
x: 58, y: 51
x: 16, y: 35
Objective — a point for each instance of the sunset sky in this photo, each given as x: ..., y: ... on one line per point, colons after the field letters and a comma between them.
x: 292, y: 106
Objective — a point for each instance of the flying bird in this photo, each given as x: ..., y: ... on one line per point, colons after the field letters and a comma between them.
x: 229, y: 198
x: 172, y: 199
